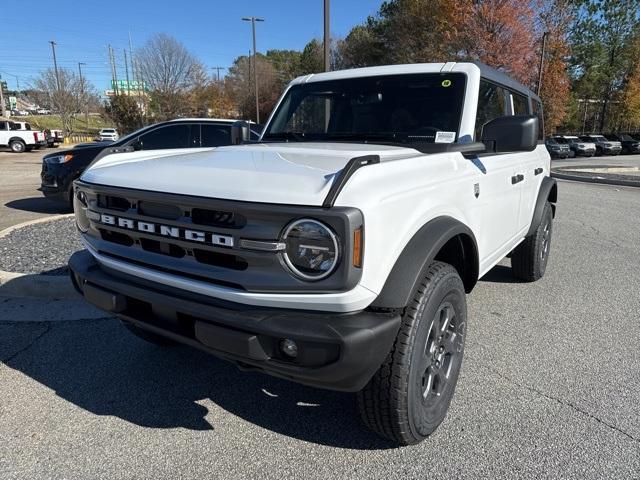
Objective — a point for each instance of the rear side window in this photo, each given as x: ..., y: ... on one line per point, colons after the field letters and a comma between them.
x: 537, y: 111
x: 173, y: 136
x: 520, y: 106
x: 215, y: 135
x: 491, y: 105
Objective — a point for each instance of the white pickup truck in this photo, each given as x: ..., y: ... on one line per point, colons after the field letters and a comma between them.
x: 338, y: 249
x: 18, y: 138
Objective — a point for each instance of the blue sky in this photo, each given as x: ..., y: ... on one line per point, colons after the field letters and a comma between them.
x: 210, y: 29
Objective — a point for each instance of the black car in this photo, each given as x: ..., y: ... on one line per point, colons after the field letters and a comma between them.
x: 60, y: 169
x: 556, y: 149
x: 629, y: 144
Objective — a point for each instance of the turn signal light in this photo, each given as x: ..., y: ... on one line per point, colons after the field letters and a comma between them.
x: 357, y: 248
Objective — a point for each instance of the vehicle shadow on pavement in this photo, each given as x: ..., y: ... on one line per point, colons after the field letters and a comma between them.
x: 100, y: 367
x: 500, y: 274
x: 38, y: 205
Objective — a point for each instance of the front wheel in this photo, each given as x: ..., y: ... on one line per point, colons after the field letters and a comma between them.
x: 409, y: 396
x: 529, y: 259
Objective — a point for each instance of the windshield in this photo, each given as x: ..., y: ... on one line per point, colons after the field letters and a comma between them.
x: 561, y: 140
x: 383, y: 109
x: 599, y: 138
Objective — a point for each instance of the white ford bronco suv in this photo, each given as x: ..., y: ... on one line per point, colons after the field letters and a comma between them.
x: 336, y: 251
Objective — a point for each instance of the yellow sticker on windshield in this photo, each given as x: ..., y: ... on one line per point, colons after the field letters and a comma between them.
x: 446, y: 83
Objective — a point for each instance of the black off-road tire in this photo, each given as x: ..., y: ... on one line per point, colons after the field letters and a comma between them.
x: 17, y: 146
x: 148, y: 336
x: 408, y: 397
x: 529, y: 259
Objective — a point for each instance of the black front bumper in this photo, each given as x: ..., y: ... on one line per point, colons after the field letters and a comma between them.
x: 335, y: 351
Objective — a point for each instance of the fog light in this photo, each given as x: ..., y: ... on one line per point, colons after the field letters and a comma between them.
x: 289, y: 347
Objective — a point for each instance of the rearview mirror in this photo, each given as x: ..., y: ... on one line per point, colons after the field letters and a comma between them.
x: 136, y: 144
x: 515, y: 133
x: 240, y: 132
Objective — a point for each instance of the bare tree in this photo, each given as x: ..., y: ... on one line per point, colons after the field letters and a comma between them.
x: 68, y: 99
x: 169, y: 70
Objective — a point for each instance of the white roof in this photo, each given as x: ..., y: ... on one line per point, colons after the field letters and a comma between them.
x: 372, y: 71
x: 195, y: 119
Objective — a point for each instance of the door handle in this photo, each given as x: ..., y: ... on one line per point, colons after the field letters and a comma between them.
x: 517, y: 178
x: 538, y: 171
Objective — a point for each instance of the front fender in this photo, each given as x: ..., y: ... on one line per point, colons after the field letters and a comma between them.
x: 418, y: 254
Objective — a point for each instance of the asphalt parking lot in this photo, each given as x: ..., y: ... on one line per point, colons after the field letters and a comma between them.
x: 19, y: 179
x: 550, y: 385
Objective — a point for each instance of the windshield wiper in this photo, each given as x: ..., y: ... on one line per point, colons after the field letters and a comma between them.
x: 388, y: 137
x: 287, y: 135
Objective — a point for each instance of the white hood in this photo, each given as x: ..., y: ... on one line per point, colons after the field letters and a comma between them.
x: 287, y: 173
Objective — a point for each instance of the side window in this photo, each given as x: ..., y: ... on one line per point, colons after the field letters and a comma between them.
x: 537, y: 111
x: 3, y: 126
x: 520, y: 106
x: 491, y: 104
x: 173, y: 136
x: 215, y: 135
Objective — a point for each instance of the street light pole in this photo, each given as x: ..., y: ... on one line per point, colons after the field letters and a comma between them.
x: 55, y: 62
x: 544, y: 46
x: 253, y: 21
x: 84, y: 99
x: 327, y: 38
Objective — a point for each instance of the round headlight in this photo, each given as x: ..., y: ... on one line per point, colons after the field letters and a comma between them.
x: 311, y: 251
x: 80, y: 210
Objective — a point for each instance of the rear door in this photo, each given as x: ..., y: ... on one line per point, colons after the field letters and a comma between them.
x: 499, y: 187
x: 532, y: 163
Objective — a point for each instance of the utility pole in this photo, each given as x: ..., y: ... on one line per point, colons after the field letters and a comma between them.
x: 253, y: 21
x: 126, y: 69
x: 55, y: 62
x: 544, y: 46
x: 327, y: 38
x: 113, y: 78
x: 133, y: 73
x: 3, y: 109
x: 84, y: 98
x: 217, y: 69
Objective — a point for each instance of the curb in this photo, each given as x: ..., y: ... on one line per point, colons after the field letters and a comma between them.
x: 12, y: 228
x: 34, y: 285
x: 601, y: 178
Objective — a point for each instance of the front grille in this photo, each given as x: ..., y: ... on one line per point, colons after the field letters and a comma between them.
x: 217, y: 218
x: 110, y: 202
x: 200, y: 238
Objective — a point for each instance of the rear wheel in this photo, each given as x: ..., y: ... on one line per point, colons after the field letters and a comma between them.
x: 17, y: 146
x: 529, y: 259
x: 408, y: 397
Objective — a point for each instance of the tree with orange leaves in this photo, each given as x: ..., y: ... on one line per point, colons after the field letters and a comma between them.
x: 555, y: 17
x: 500, y: 33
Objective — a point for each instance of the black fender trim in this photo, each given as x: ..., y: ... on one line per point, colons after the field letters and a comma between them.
x: 418, y: 254
x: 345, y: 174
x: 548, y: 191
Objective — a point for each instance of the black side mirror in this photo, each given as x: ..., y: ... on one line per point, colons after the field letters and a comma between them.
x: 515, y: 133
x: 240, y: 132
x: 136, y: 144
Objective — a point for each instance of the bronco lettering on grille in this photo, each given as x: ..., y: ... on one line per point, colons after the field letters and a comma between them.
x: 167, y: 230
